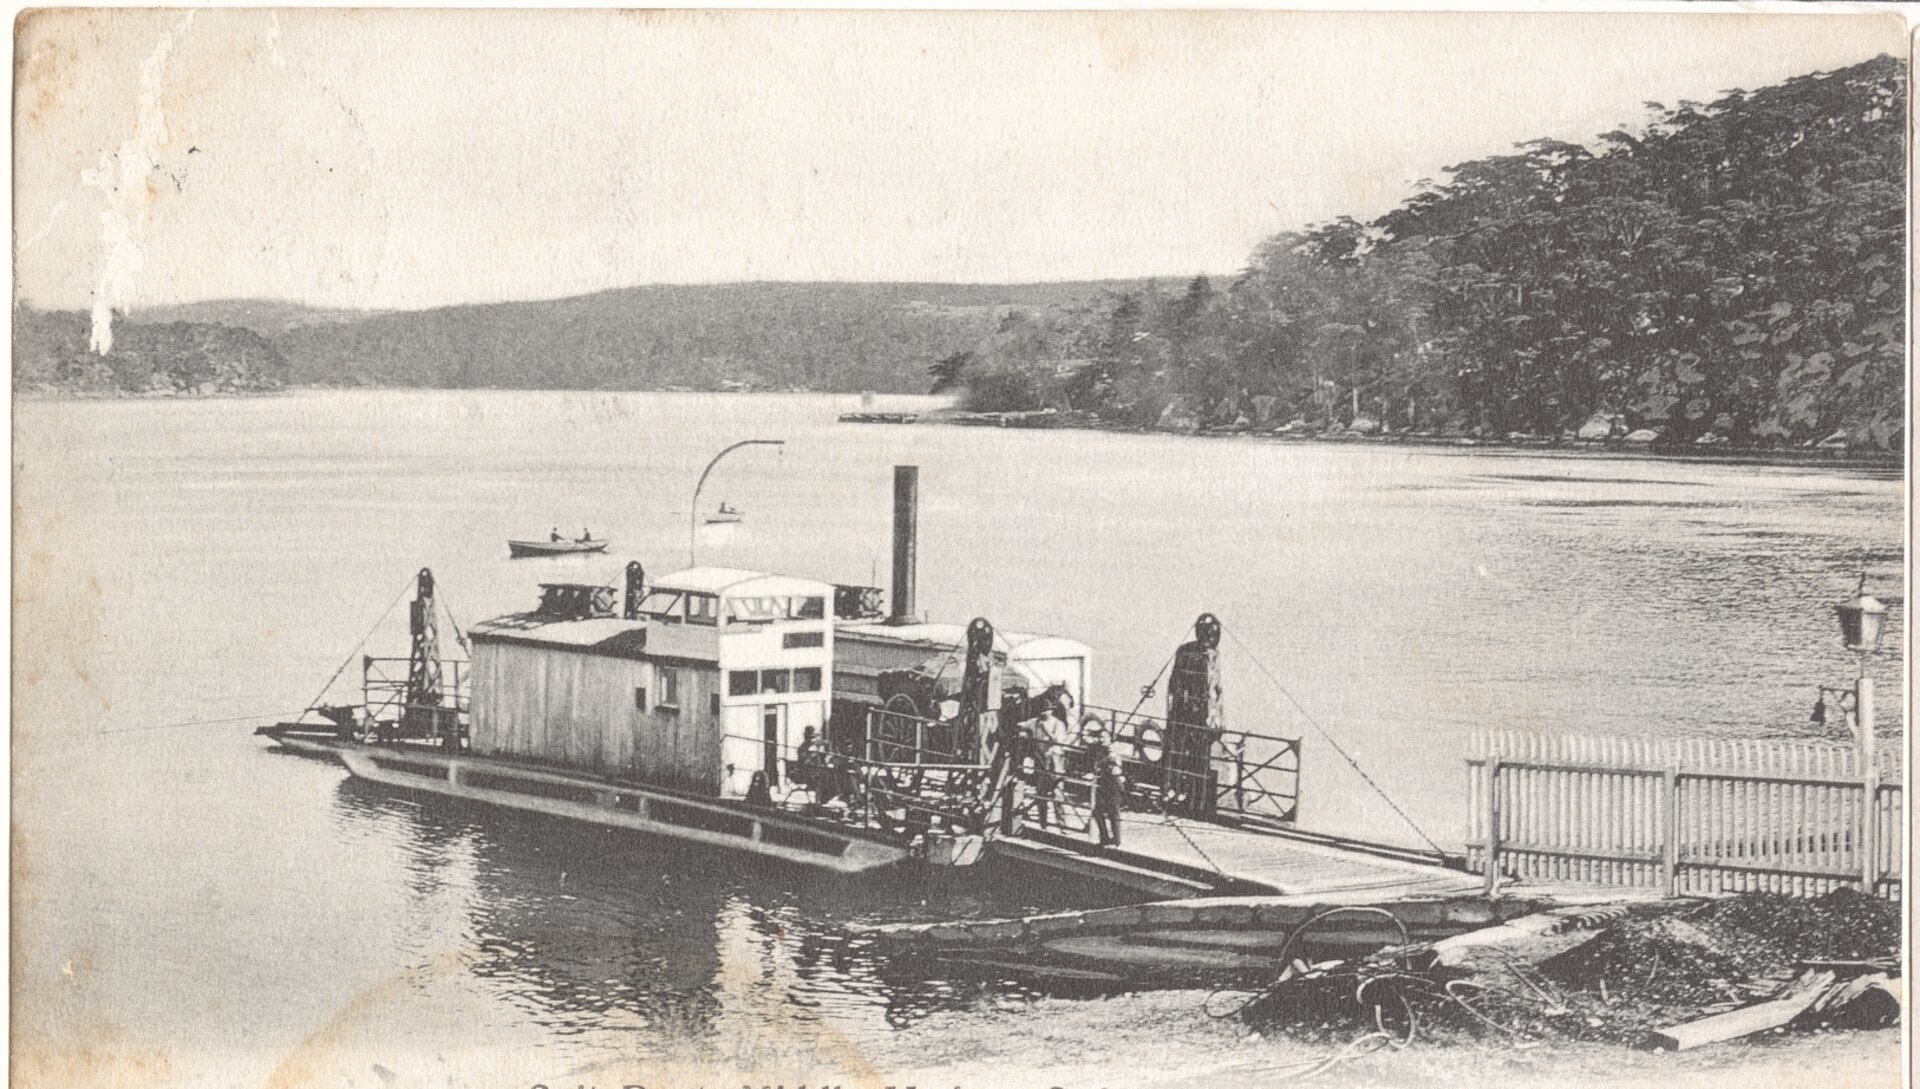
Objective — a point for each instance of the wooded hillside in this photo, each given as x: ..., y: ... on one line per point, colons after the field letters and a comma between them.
x: 818, y: 336
x: 1729, y: 271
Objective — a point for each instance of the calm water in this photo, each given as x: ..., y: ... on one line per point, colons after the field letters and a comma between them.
x: 188, y: 897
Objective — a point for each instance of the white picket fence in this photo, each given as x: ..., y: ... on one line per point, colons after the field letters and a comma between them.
x: 1685, y: 815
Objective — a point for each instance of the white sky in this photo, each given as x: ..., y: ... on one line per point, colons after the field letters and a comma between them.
x: 411, y: 159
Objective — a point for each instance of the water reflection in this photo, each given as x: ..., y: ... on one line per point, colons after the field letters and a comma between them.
x: 583, y: 929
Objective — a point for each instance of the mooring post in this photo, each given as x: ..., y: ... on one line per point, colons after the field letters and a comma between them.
x: 1492, y: 853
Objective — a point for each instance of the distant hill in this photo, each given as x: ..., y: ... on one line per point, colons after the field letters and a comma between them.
x: 817, y: 336
x: 267, y: 317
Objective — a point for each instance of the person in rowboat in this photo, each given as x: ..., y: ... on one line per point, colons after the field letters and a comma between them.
x: 556, y: 534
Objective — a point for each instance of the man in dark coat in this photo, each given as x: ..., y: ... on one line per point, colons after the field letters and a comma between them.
x: 1107, y: 788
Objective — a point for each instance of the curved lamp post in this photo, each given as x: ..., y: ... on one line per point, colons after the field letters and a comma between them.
x: 1862, y: 622
x: 693, y: 518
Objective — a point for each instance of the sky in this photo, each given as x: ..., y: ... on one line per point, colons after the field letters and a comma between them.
x: 407, y: 159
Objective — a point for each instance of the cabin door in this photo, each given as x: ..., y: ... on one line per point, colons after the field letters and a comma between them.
x: 773, y: 720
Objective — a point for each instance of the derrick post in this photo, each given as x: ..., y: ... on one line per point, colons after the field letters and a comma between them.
x: 980, y: 691
x: 421, y: 711
x: 1195, y: 716
x: 636, y: 590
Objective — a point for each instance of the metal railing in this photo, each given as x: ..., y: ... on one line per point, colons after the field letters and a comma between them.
x: 389, y: 714
x: 893, y: 737
x: 908, y: 796
x: 1228, y: 776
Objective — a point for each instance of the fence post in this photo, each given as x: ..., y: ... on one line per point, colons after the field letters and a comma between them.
x: 1669, y: 832
x: 1491, y: 856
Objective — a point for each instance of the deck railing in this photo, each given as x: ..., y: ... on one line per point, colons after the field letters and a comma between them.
x: 389, y: 711
x: 1221, y: 775
x: 1685, y: 816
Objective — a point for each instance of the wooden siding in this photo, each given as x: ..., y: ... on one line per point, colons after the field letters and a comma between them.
x: 578, y: 710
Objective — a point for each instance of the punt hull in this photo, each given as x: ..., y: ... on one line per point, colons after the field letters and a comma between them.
x: 711, y: 822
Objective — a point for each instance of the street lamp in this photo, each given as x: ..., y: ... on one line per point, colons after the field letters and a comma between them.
x: 1862, y: 621
x: 693, y: 517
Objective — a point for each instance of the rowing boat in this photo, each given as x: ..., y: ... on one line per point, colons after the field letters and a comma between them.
x: 525, y: 549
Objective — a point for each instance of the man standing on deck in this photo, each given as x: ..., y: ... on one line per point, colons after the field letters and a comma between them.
x: 1107, y: 786
x: 1043, y: 749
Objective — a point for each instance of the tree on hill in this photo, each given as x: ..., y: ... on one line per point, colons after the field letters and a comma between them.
x: 1730, y: 271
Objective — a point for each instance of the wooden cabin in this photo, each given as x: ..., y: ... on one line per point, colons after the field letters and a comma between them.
x: 710, y: 676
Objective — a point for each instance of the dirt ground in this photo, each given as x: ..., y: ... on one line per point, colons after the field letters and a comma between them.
x: 1164, y: 1039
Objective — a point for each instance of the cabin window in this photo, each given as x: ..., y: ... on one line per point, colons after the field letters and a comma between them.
x: 743, y: 682
x: 795, y: 639
x: 640, y: 699
x: 703, y: 609
x: 774, y: 680
x: 763, y: 610
x: 757, y: 610
x: 669, y: 687
x: 806, y: 680
x: 662, y: 605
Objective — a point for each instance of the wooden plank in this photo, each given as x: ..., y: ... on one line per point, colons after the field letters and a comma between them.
x: 1745, y: 1022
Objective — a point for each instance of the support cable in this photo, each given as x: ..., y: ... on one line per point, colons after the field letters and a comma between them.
x: 397, y: 598
x: 198, y: 722
x: 447, y: 610
x: 1344, y: 755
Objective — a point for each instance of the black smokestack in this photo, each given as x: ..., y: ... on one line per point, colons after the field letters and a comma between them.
x: 906, y: 544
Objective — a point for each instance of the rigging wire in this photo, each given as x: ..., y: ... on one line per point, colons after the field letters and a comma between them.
x: 1348, y: 757
x: 447, y: 610
x: 197, y: 722
x: 283, y: 714
x: 318, y: 696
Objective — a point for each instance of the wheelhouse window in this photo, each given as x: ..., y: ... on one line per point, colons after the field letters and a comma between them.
x: 775, y: 680
x: 743, y: 682
x: 806, y: 680
x: 662, y: 605
x: 756, y: 610
x: 766, y: 610
x: 703, y: 609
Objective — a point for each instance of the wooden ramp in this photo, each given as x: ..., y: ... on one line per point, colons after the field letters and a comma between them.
x: 1201, y: 855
